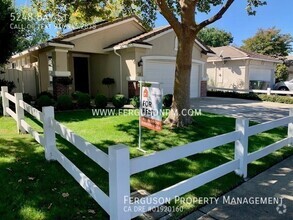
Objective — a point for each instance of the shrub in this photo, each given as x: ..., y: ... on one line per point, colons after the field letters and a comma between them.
x: 45, y: 93
x: 101, y: 101
x: 27, y: 98
x: 83, y: 100
x: 252, y: 96
x: 75, y: 95
x: 44, y: 100
x: 119, y: 101
x: 9, y: 84
x: 64, y: 102
x: 135, y: 101
x: 167, y: 100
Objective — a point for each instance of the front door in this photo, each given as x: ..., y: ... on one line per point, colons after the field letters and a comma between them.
x: 81, y: 74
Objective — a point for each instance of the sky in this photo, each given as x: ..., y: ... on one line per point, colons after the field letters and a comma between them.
x: 278, y: 13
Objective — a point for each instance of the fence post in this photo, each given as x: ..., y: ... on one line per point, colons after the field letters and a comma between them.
x: 19, y: 112
x: 241, y: 146
x: 269, y: 91
x: 290, y: 127
x: 49, y: 133
x: 5, y: 102
x: 119, y: 182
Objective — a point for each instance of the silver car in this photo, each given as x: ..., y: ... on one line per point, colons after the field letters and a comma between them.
x: 284, y: 86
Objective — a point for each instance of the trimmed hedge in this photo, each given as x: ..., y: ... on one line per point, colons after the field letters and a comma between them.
x: 252, y: 96
x: 119, y: 101
x: 167, y: 100
x: 44, y: 100
x: 64, y: 102
x: 101, y: 101
x: 83, y: 100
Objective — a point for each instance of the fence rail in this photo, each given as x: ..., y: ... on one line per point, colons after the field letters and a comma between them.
x: 268, y: 91
x: 120, y: 167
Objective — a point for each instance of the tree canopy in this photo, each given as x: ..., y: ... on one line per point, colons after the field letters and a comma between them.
x: 32, y: 29
x: 269, y: 42
x: 8, y: 32
x: 215, y: 37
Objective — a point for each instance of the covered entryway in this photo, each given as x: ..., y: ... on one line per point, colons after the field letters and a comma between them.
x: 81, y: 74
x: 163, y: 71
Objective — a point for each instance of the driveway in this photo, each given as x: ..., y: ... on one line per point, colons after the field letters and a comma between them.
x: 253, y: 110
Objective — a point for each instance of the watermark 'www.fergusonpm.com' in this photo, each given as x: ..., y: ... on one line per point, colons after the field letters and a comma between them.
x: 135, y: 112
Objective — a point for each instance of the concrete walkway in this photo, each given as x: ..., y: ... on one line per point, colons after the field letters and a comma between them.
x: 254, y: 110
x: 274, y: 185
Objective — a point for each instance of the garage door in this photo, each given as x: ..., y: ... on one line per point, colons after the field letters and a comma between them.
x: 164, y: 72
x: 260, y: 74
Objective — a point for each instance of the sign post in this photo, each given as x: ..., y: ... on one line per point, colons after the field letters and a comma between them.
x: 150, y: 111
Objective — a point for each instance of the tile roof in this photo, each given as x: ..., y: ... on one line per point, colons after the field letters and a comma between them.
x: 232, y: 53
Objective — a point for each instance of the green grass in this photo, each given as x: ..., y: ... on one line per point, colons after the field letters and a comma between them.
x: 33, y: 188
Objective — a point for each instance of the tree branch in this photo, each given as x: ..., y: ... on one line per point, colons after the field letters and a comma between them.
x: 169, y: 15
x: 216, y: 16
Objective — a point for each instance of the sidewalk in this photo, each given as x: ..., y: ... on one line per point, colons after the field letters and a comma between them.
x: 269, y: 186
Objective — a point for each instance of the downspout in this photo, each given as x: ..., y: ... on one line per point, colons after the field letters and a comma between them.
x: 120, y: 67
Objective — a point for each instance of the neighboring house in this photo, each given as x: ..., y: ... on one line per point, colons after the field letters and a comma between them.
x: 235, y: 68
x: 121, y: 49
x: 290, y: 68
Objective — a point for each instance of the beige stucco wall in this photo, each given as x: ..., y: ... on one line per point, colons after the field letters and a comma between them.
x: 290, y: 72
x: 96, y: 42
x: 232, y: 74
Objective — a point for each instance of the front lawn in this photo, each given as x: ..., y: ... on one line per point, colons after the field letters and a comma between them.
x: 32, y: 188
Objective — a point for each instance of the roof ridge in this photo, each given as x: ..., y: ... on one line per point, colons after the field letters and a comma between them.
x: 238, y: 49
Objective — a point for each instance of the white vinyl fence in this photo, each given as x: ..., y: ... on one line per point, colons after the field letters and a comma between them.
x: 269, y: 91
x: 120, y: 167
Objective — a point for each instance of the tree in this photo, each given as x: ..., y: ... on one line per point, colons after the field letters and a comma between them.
x: 181, y: 16
x: 8, y: 31
x: 32, y: 29
x: 215, y: 37
x: 282, y: 72
x: 269, y: 42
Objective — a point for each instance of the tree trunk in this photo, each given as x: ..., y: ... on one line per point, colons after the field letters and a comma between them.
x: 178, y: 116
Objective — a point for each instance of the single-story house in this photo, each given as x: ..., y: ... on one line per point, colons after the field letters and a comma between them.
x: 121, y: 49
x: 234, y: 68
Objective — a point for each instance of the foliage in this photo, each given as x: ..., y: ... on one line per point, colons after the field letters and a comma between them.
x: 282, y: 72
x: 119, y: 101
x: 32, y: 28
x: 135, y: 101
x: 252, y: 96
x: 27, y: 98
x: 167, y: 100
x: 269, y: 42
x: 108, y: 81
x: 44, y: 100
x: 45, y: 93
x: 101, y: 101
x: 64, y: 102
x: 9, y: 84
x: 215, y: 37
x: 8, y: 35
x: 83, y: 100
x: 75, y: 95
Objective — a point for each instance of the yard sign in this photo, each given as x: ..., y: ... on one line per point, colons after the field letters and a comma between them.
x: 151, y: 108
x: 150, y: 111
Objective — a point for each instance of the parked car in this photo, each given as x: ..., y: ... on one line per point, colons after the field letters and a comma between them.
x: 285, y: 86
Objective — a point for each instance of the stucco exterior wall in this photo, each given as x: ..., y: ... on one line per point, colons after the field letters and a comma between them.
x: 43, y: 71
x: 96, y: 42
x: 232, y: 74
